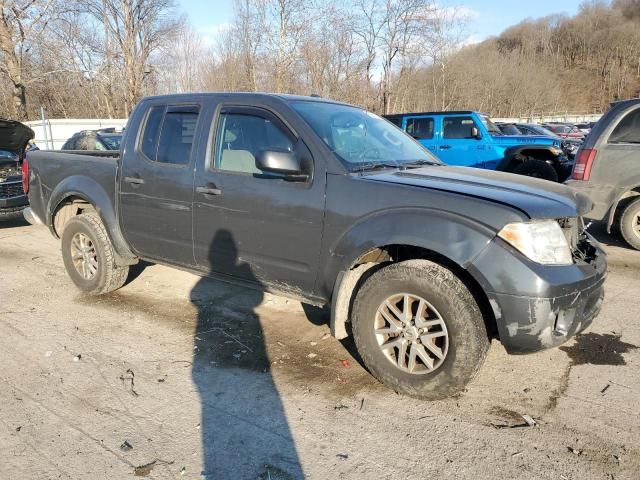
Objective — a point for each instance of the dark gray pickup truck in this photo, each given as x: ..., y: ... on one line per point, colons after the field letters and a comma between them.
x: 329, y: 204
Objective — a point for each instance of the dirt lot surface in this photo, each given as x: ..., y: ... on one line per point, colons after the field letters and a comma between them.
x: 178, y: 377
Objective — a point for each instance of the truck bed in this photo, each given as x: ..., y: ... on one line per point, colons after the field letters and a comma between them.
x: 50, y: 174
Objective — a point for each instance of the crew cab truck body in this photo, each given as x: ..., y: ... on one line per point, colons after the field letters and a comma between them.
x: 470, y: 139
x: 330, y: 204
x: 607, y: 169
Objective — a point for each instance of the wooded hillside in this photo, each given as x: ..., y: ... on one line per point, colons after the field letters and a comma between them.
x: 96, y: 58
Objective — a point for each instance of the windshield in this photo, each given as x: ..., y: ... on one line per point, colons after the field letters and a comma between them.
x: 509, y: 129
x: 360, y: 138
x: 489, y: 125
x: 112, y: 142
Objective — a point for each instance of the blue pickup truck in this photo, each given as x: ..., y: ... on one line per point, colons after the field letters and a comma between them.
x: 471, y: 139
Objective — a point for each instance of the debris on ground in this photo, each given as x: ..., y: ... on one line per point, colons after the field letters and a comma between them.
x: 128, y: 382
x: 144, y: 470
x: 313, y: 344
x: 126, y: 446
x: 312, y: 355
x: 77, y: 358
x: 342, y: 456
x: 345, y: 363
x: 575, y: 451
x: 606, y: 387
x: 340, y: 406
x: 513, y: 420
x: 274, y: 473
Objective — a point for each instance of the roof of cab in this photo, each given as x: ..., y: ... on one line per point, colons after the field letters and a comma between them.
x: 256, y: 95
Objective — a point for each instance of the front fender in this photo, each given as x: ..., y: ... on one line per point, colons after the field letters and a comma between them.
x: 460, y: 239
x: 92, y: 192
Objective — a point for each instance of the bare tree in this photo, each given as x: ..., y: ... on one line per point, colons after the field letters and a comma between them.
x: 135, y: 30
x: 21, y: 23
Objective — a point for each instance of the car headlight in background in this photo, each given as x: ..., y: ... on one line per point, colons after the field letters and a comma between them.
x: 541, y: 241
x: 556, y: 151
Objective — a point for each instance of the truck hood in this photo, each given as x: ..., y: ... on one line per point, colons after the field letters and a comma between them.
x: 525, y: 140
x: 14, y: 136
x: 536, y: 198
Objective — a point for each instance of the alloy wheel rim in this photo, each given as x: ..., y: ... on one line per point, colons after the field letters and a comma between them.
x: 635, y: 226
x: 84, y: 256
x: 411, y: 333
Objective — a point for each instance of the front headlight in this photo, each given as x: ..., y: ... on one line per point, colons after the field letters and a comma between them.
x: 556, y: 151
x: 541, y: 241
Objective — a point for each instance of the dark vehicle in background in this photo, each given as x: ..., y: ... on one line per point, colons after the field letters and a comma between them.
x: 471, y: 139
x: 508, y: 128
x: 569, y: 145
x: 14, y: 139
x: 607, y: 169
x: 585, y: 128
x: 330, y: 204
x: 101, y: 140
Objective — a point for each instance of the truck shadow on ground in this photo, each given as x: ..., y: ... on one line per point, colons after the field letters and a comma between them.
x: 244, y: 427
x: 17, y: 222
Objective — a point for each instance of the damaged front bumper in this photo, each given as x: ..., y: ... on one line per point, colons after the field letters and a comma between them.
x: 537, y: 306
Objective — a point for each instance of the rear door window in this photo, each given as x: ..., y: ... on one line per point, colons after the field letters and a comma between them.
x: 628, y: 130
x: 420, y: 128
x: 169, y: 133
x: 151, y: 134
x: 176, y: 138
x: 458, y: 127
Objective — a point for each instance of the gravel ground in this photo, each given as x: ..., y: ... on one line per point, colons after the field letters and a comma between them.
x: 178, y: 377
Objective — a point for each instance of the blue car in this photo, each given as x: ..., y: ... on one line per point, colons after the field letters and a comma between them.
x: 471, y: 139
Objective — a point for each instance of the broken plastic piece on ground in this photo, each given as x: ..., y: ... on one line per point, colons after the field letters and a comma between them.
x: 126, y: 446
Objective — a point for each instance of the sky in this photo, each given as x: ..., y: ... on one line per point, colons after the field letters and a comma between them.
x: 488, y: 17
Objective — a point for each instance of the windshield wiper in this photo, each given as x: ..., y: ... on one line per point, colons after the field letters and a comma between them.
x: 374, y: 166
x: 419, y: 163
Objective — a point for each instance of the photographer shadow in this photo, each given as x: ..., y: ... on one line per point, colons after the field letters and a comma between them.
x: 244, y: 428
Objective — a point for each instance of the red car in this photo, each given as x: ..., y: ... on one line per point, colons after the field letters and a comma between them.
x: 565, y: 131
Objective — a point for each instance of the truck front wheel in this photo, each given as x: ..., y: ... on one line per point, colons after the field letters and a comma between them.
x: 89, y: 256
x: 538, y: 169
x: 419, y: 330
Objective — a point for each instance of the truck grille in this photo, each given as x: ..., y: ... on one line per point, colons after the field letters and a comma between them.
x: 11, y: 189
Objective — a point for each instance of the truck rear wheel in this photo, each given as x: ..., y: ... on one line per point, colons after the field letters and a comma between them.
x: 89, y: 256
x: 630, y: 224
x: 419, y: 330
x: 538, y: 169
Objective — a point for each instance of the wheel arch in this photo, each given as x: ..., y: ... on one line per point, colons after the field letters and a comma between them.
x: 77, y: 194
x: 453, y: 243
x: 621, y: 203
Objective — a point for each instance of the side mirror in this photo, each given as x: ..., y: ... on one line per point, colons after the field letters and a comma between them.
x: 475, y: 133
x: 281, y: 163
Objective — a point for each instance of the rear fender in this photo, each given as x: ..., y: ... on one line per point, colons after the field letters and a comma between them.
x: 93, y: 193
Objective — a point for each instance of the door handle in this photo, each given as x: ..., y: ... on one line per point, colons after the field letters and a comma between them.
x: 209, y: 190
x: 445, y: 147
x: 134, y: 180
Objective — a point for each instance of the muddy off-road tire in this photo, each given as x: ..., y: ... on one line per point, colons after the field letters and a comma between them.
x: 10, y: 214
x: 89, y: 256
x: 630, y: 224
x: 538, y: 169
x: 419, y: 309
